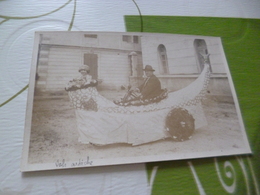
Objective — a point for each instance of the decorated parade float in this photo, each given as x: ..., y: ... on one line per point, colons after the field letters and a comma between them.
x: 175, y: 114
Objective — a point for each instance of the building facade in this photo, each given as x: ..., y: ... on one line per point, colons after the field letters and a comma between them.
x: 117, y: 59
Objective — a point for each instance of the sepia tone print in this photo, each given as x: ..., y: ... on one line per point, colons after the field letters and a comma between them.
x: 99, y: 98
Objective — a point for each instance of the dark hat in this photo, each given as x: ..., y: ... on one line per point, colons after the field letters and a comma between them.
x: 148, y: 68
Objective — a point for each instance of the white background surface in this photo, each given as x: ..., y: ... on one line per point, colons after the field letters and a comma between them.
x: 16, y: 41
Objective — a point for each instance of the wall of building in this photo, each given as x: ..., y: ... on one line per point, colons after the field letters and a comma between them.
x: 181, y: 53
x: 62, y: 66
x: 59, y: 60
x: 56, y: 66
x: 114, y: 69
x: 183, y: 63
x: 95, y: 40
x: 60, y: 57
x: 62, y: 63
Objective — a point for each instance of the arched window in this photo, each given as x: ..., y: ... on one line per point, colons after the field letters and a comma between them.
x: 201, y: 50
x: 163, y: 59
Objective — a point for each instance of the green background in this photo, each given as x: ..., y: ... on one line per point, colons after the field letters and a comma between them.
x: 241, y: 42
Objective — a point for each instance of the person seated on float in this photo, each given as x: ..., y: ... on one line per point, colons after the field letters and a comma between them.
x: 151, y: 87
x: 84, y: 70
x: 148, y: 92
x: 83, y: 81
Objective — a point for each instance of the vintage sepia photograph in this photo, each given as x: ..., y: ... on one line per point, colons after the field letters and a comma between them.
x: 108, y: 98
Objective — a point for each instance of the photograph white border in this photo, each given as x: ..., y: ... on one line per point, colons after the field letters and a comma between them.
x: 86, y: 161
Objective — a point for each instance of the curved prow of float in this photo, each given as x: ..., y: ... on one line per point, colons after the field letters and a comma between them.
x: 194, y: 92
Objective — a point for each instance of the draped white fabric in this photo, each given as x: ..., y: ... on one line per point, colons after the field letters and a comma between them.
x: 137, y: 128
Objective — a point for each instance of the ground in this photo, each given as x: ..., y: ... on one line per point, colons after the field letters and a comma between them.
x: 54, y: 134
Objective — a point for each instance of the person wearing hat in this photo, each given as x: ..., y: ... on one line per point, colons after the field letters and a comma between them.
x: 84, y: 71
x: 151, y: 87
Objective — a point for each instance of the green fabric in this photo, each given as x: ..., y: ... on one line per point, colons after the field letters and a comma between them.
x: 241, y: 42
